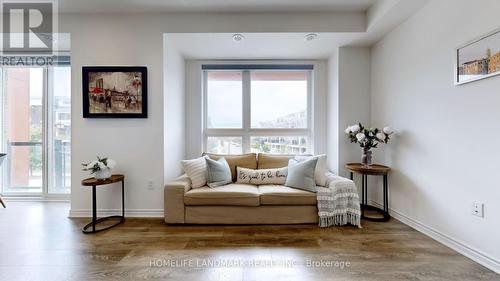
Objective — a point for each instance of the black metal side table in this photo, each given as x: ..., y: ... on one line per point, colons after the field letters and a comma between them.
x: 372, y: 170
x: 94, y: 183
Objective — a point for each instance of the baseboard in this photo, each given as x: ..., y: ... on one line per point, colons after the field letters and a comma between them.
x: 35, y: 199
x: 158, y: 213
x: 454, y: 244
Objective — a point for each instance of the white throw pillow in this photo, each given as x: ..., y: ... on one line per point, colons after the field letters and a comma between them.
x: 321, y: 169
x: 262, y: 176
x: 196, y: 170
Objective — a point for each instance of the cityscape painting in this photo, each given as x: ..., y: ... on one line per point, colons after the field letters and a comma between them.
x: 478, y: 59
x: 114, y: 92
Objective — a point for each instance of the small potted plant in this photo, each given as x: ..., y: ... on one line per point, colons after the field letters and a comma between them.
x: 100, y: 168
x: 367, y: 139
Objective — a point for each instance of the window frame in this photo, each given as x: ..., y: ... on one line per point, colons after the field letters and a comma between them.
x: 246, y: 132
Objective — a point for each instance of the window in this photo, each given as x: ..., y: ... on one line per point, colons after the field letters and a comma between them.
x: 275, y: 144
x: 225, y: 145
x: 225, y: 90
x: 257, y: 110
x: 59, y: 130
x: 279, y: 99
x: 36, y: 120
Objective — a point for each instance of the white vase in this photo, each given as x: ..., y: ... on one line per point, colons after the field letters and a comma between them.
x: 103, y: 174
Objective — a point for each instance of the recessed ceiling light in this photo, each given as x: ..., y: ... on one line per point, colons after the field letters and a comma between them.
x: 238, y: 37
x: 311, y: 36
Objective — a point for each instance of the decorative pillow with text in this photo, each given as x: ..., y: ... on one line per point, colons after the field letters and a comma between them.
x: 263, y: 176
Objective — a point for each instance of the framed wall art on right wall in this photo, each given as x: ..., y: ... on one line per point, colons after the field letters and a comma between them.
x: 478, y: 59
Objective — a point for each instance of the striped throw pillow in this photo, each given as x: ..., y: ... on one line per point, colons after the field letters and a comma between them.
x: 196, y: 170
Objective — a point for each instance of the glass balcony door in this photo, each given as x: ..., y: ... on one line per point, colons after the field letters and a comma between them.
x: 23, y: 127
x: 36, y: 118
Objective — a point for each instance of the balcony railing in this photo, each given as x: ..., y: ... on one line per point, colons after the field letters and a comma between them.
x: 59, y: 176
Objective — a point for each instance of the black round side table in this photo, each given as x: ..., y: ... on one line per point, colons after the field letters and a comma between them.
x: 94, y: 183
x: 372, y: 170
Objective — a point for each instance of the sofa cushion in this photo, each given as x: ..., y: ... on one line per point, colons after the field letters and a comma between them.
x: 227, y: 195
x: 273, y: 161
x: 283, y: 195
x: 248, y: 160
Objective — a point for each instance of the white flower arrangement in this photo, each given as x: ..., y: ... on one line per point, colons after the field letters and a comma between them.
x: 368, y: 138
x: 99, y: 165
x: 360, y: 137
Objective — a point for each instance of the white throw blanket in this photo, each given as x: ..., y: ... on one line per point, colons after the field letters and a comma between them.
x: 338, y: 203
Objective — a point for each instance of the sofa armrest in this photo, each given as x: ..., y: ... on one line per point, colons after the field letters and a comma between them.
x: 174, y: 199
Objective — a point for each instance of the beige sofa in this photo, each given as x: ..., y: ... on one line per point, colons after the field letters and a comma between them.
x: 240, y: 203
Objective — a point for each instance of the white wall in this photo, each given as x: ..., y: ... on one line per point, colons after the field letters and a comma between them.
x: 194, y: 107
x: 444, y: 156
x: 332, y: 104
x: 348, y: 103
x: 136, y: 144
x: 354, y: 99
x: 319, y: 105
x: 174, y: 106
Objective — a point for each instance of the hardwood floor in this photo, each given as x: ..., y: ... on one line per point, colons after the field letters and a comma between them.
x: 39, y: 242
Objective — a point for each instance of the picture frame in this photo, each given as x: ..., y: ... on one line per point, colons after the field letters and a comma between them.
x: 478, y: 59
x: 115, y: 91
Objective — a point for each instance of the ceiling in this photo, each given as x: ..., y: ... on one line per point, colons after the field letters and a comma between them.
x: 378, y: 17
x: 258, y: 45
x: 383, y: 17
x: 165, y: 6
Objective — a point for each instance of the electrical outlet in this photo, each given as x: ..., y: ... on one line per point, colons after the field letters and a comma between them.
x: 150, y: 185
x: 478, y: 209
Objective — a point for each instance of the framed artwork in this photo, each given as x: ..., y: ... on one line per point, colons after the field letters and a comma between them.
x: 478, y: 59
x: 115, y: 92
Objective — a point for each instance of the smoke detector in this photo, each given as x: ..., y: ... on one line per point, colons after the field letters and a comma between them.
x: 311, y: 36
x: 238, y: 37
